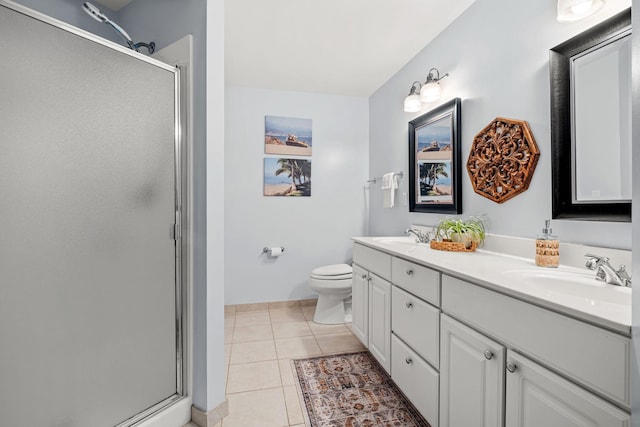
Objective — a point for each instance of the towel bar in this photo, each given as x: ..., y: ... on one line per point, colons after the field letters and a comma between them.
x: 376, y: 179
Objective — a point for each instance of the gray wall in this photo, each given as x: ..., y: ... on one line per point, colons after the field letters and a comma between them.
x: 635, y: 315
x: 314, y: 230
x: 497, y: 56
x: 213, y: 305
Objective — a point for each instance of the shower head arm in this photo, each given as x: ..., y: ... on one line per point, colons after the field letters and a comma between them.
x: 95, y: 13
x: 118, y: 29
x: 151, y: 47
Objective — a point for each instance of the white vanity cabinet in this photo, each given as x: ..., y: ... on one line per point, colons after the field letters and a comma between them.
x: 360, y: 304
x: 469, y: 355
x: 380, y: 320
x: 594, y: 358
x: 472, y: 369
x: 371, y: 302
x: 538, y: 397
x: 416, y: 378
x: 415, y: 326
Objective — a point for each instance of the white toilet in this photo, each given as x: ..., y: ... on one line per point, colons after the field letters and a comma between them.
x: 333, y: 284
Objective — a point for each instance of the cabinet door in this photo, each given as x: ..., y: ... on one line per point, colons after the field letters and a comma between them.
x: 537, y: 397
x: 360, y: 304
x: 471, y: 377
x: 380, y: 320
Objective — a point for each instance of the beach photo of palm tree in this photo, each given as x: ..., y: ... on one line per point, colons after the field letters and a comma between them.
x: 435, y: 182
x: 287, y: 177
x: 287, y: 136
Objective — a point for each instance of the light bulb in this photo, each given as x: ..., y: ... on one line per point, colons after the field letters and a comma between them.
x: 582, y: 7
x: 574, y: 10
x: 412, y: 103
x: 430, y: 92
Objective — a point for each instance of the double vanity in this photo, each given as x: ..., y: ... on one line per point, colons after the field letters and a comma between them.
x: 484, y: 339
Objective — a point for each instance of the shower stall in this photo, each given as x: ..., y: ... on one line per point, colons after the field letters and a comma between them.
x: 92, y: 252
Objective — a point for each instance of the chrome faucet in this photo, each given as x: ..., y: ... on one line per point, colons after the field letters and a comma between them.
x: 421, y: 237
x: 606, y: 273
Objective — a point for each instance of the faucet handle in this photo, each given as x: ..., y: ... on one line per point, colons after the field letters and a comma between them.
x: 594, y: 261
x: 597, y: 257
x: 623, y: 274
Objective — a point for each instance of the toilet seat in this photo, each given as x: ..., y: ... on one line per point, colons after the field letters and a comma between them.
x: 334, y: 271
x: 340, y: 277
x: 333, y: 284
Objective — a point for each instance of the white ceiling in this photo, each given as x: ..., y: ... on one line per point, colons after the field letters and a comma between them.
x: 347, y: 47
x: 114, y: 4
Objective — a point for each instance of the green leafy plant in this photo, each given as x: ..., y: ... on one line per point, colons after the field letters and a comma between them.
x: 460, y: 230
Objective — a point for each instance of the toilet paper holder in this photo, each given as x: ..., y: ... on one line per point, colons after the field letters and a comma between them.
x: 267, y: 250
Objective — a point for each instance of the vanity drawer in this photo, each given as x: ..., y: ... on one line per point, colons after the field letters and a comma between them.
x: 417, y: 323
x: 417, y: 380
x: 594, y: 357
x: 420, y: 281
x: 375, y: 261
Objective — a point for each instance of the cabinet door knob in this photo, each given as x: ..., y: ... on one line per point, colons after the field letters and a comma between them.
x: 364, y: 276
x: 512, y: 367
x: 409, y: 304
x: 488, y: 354
x: 409, y: 272
x: 408, y: 360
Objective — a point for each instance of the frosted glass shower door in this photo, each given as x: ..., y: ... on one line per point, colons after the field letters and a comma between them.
x: 87, y: 201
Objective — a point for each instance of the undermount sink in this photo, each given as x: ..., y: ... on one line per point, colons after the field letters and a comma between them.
x: 397, y: 240
x: 573, y: 285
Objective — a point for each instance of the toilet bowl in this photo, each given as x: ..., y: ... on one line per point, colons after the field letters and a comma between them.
x: 333, y: 285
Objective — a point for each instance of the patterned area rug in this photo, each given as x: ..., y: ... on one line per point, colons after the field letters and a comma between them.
x: 352, y: 390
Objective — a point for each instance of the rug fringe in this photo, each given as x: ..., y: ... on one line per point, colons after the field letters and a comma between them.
x: 303, y: 406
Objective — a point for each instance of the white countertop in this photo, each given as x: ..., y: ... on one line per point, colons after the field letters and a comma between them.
x: 604, y: 305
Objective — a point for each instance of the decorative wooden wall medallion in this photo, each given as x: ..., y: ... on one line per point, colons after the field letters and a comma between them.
x: 502, y: 160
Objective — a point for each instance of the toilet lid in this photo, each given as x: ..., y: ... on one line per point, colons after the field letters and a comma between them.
x: 332, y: 272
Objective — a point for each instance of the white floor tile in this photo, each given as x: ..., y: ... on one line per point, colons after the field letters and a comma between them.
x: 264, y: 408
x: 255, y: 351
x: 291, y: 329
x: 253, y: 376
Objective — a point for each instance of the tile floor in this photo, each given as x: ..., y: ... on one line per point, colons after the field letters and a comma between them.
x: 259, y: 346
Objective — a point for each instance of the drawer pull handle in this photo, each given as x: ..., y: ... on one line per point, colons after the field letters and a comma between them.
x: 488, y: 354
x: 512, y: 367
x: 408, y: 360
x: 409, y: 272
x: 409, y: 304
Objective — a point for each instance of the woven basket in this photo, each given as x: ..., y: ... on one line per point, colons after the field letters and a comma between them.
x: 448, y: 245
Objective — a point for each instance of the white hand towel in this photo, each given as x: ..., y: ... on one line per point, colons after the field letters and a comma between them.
x: 389, y: 185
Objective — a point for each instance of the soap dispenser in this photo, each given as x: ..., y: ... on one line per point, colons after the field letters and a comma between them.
x: 547, y: 247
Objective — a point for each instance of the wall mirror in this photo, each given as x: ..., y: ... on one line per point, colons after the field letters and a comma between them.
x: 591, y: 123
x: 435, y: 182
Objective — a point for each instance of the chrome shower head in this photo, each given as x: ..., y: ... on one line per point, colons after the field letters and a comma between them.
x: 95, y: 13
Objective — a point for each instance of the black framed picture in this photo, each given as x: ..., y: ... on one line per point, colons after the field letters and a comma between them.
x: 435, y: 178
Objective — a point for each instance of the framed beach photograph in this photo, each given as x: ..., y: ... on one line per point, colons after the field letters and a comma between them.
x: 287, y: 136
x: 435, y: 174
x: 287, y: 177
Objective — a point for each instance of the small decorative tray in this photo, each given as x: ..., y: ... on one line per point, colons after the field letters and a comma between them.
x: 448, y: 245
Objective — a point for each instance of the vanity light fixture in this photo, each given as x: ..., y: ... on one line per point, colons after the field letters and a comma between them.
x: 431, y: 88
x: 574, y: 10
x: 412, y: 102
x: 421, y: 93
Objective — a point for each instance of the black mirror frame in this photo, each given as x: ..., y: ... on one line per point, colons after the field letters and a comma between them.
x: 561, y: 160
x: 451, y: 108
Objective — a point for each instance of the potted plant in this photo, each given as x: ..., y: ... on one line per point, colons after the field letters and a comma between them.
x: 461, y: 230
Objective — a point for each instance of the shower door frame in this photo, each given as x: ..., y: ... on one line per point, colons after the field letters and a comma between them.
x: 180, y: 229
